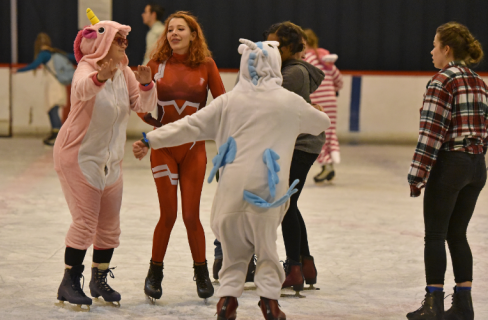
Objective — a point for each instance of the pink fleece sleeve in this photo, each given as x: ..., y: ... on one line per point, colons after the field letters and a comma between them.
x: 142, y: 99
x: 83, y: 86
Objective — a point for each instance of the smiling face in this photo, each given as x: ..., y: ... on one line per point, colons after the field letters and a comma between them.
x: 179, y: 35
x: 116, y: 51
x: 441, y: 55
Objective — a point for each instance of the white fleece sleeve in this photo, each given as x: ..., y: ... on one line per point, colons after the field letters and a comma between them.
x: 312, y: 121
x: 202, y: 125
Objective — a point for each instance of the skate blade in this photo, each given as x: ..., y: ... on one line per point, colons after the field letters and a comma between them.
x: 296, y: 295
x: 311, y: 288
x: 250, y: 288
x: 102, y: 302
x: 151, y: 300
x: 73, y: 307
x: 216, y: 282
x: 205, y: 301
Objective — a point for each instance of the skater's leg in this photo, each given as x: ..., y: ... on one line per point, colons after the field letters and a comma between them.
x: 300, y: 166
x: 235, y: 234
x: 192, y: 174
x: 108, y: 228
x: 165, y: 172
x: 269, y: 274
x: 54, y: 118
x: 447, y: 178
x: 462, y: 259
x: 73, y: 257
x: 304, y: 249
x: 218, y: 249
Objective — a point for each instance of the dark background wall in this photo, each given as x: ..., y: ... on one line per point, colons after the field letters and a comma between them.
x: 366, y: 34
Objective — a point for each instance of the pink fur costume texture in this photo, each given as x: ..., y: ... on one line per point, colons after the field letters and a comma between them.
x: 89, y: 149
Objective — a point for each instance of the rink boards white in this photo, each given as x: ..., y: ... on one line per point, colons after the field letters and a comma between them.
x: 388, y: 106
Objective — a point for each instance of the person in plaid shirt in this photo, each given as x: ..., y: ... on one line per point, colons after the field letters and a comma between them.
x: 449, y: 162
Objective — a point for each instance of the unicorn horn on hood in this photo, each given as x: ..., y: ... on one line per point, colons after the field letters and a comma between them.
x: 248, y: 43
x: 92, y: 17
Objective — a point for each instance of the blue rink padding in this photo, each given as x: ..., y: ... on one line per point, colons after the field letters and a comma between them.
x: 355, y: 104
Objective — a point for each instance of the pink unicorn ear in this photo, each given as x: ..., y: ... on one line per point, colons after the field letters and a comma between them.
x: 89, y: 34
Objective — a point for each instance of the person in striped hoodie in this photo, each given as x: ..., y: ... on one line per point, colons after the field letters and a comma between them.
x: 325, y: 96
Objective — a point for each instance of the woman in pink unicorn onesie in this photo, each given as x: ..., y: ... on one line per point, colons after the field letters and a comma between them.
x: 89, y: 151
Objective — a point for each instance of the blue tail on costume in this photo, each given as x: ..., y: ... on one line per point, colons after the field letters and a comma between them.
x: 270, y: 159
x: 227, y: 154
x: 260, y: 202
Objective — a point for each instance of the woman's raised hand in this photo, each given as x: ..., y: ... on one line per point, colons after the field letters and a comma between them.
x: 143, y: 74
x: 107, y: 71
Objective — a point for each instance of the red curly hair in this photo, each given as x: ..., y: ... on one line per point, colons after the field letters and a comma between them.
x: 198, y: 51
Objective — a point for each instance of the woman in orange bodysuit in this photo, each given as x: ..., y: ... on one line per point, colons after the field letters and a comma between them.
x: 184, y: 71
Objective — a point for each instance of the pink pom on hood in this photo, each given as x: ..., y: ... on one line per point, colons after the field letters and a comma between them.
x: 93, y: 42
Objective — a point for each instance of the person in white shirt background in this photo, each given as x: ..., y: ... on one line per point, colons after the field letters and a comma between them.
x: 151, y: 17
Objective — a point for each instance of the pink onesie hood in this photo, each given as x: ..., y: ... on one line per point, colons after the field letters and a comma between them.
x: 93, y: 42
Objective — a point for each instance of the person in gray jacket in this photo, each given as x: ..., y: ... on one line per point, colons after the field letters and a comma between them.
x: 303, y: 79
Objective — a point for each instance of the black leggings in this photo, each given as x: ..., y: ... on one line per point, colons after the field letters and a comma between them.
x: 293, y: 226
x: 450, y: 196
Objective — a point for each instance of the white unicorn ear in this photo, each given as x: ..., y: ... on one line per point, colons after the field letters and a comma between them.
x: 241, y: 48
x: 249, y: 43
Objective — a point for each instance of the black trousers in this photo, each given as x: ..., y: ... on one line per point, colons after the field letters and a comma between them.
x: 293, y: 226
x: 451, y: 193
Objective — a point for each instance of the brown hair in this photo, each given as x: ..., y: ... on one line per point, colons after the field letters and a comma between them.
x: 42, y: 39
x: 289, y: 34
x: 198, y: 52
x: 464, y: 46
x: 312, y: 40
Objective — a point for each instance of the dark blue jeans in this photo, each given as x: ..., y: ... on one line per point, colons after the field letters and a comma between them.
x: 54, y: 118
x: 218, y: 249
x: 452, y: 190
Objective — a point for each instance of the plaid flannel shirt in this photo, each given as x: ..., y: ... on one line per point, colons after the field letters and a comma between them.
x: 455, y: 106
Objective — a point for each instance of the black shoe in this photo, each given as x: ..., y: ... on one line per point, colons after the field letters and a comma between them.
x: 70, y: 289
x: 216, y: 268
x: 49, y: 141
x: 99, y: 286
x: 152, y: 286
x: 251, y: 269
x: 205, y: 288
x: 327, y: 174
x: 462, y: 306
x: 432, y: 307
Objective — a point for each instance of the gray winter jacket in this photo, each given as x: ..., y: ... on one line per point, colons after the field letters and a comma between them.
x: 303, y: 79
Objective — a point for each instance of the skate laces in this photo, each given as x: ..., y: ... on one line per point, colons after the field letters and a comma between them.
x: 75, y: 278
x: 199, y: 276
x: 286, y: 265
x: 102, y: 276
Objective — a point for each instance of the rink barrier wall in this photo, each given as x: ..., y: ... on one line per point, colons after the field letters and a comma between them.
x: 373, y: 106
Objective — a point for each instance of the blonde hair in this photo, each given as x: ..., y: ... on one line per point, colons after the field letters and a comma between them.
x: 312, y: 40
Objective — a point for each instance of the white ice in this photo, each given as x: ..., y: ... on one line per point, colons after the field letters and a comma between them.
x: 365, y: 233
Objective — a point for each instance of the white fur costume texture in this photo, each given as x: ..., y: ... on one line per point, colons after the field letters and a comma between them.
x: 258, y: 114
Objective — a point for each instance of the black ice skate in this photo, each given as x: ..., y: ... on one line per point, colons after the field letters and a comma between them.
x: 99, y: 286
x: 217, y: 265
x: 462, y: 306
x: 432, y: 307
x: 49, y: 141
x: 251, y: 269
x: 205, y: 288
x: 327, y: 174
x: 70, y: 289
x: 152, y: 286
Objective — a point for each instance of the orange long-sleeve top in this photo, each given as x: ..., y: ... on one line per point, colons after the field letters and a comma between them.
x: 182, y: 90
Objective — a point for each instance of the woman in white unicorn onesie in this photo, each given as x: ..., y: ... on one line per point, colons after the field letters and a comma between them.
x: 89, y: 150
x: 255, y: 127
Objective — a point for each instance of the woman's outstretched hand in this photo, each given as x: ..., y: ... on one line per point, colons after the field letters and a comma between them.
x: 107, y: 71
x: 140, y: 149
x: 143, y: 74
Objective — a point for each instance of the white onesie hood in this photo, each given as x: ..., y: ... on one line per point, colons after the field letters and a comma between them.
x: 260, y: 66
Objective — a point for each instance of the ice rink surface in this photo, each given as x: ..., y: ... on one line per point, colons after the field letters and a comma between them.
x: 365, y: 233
